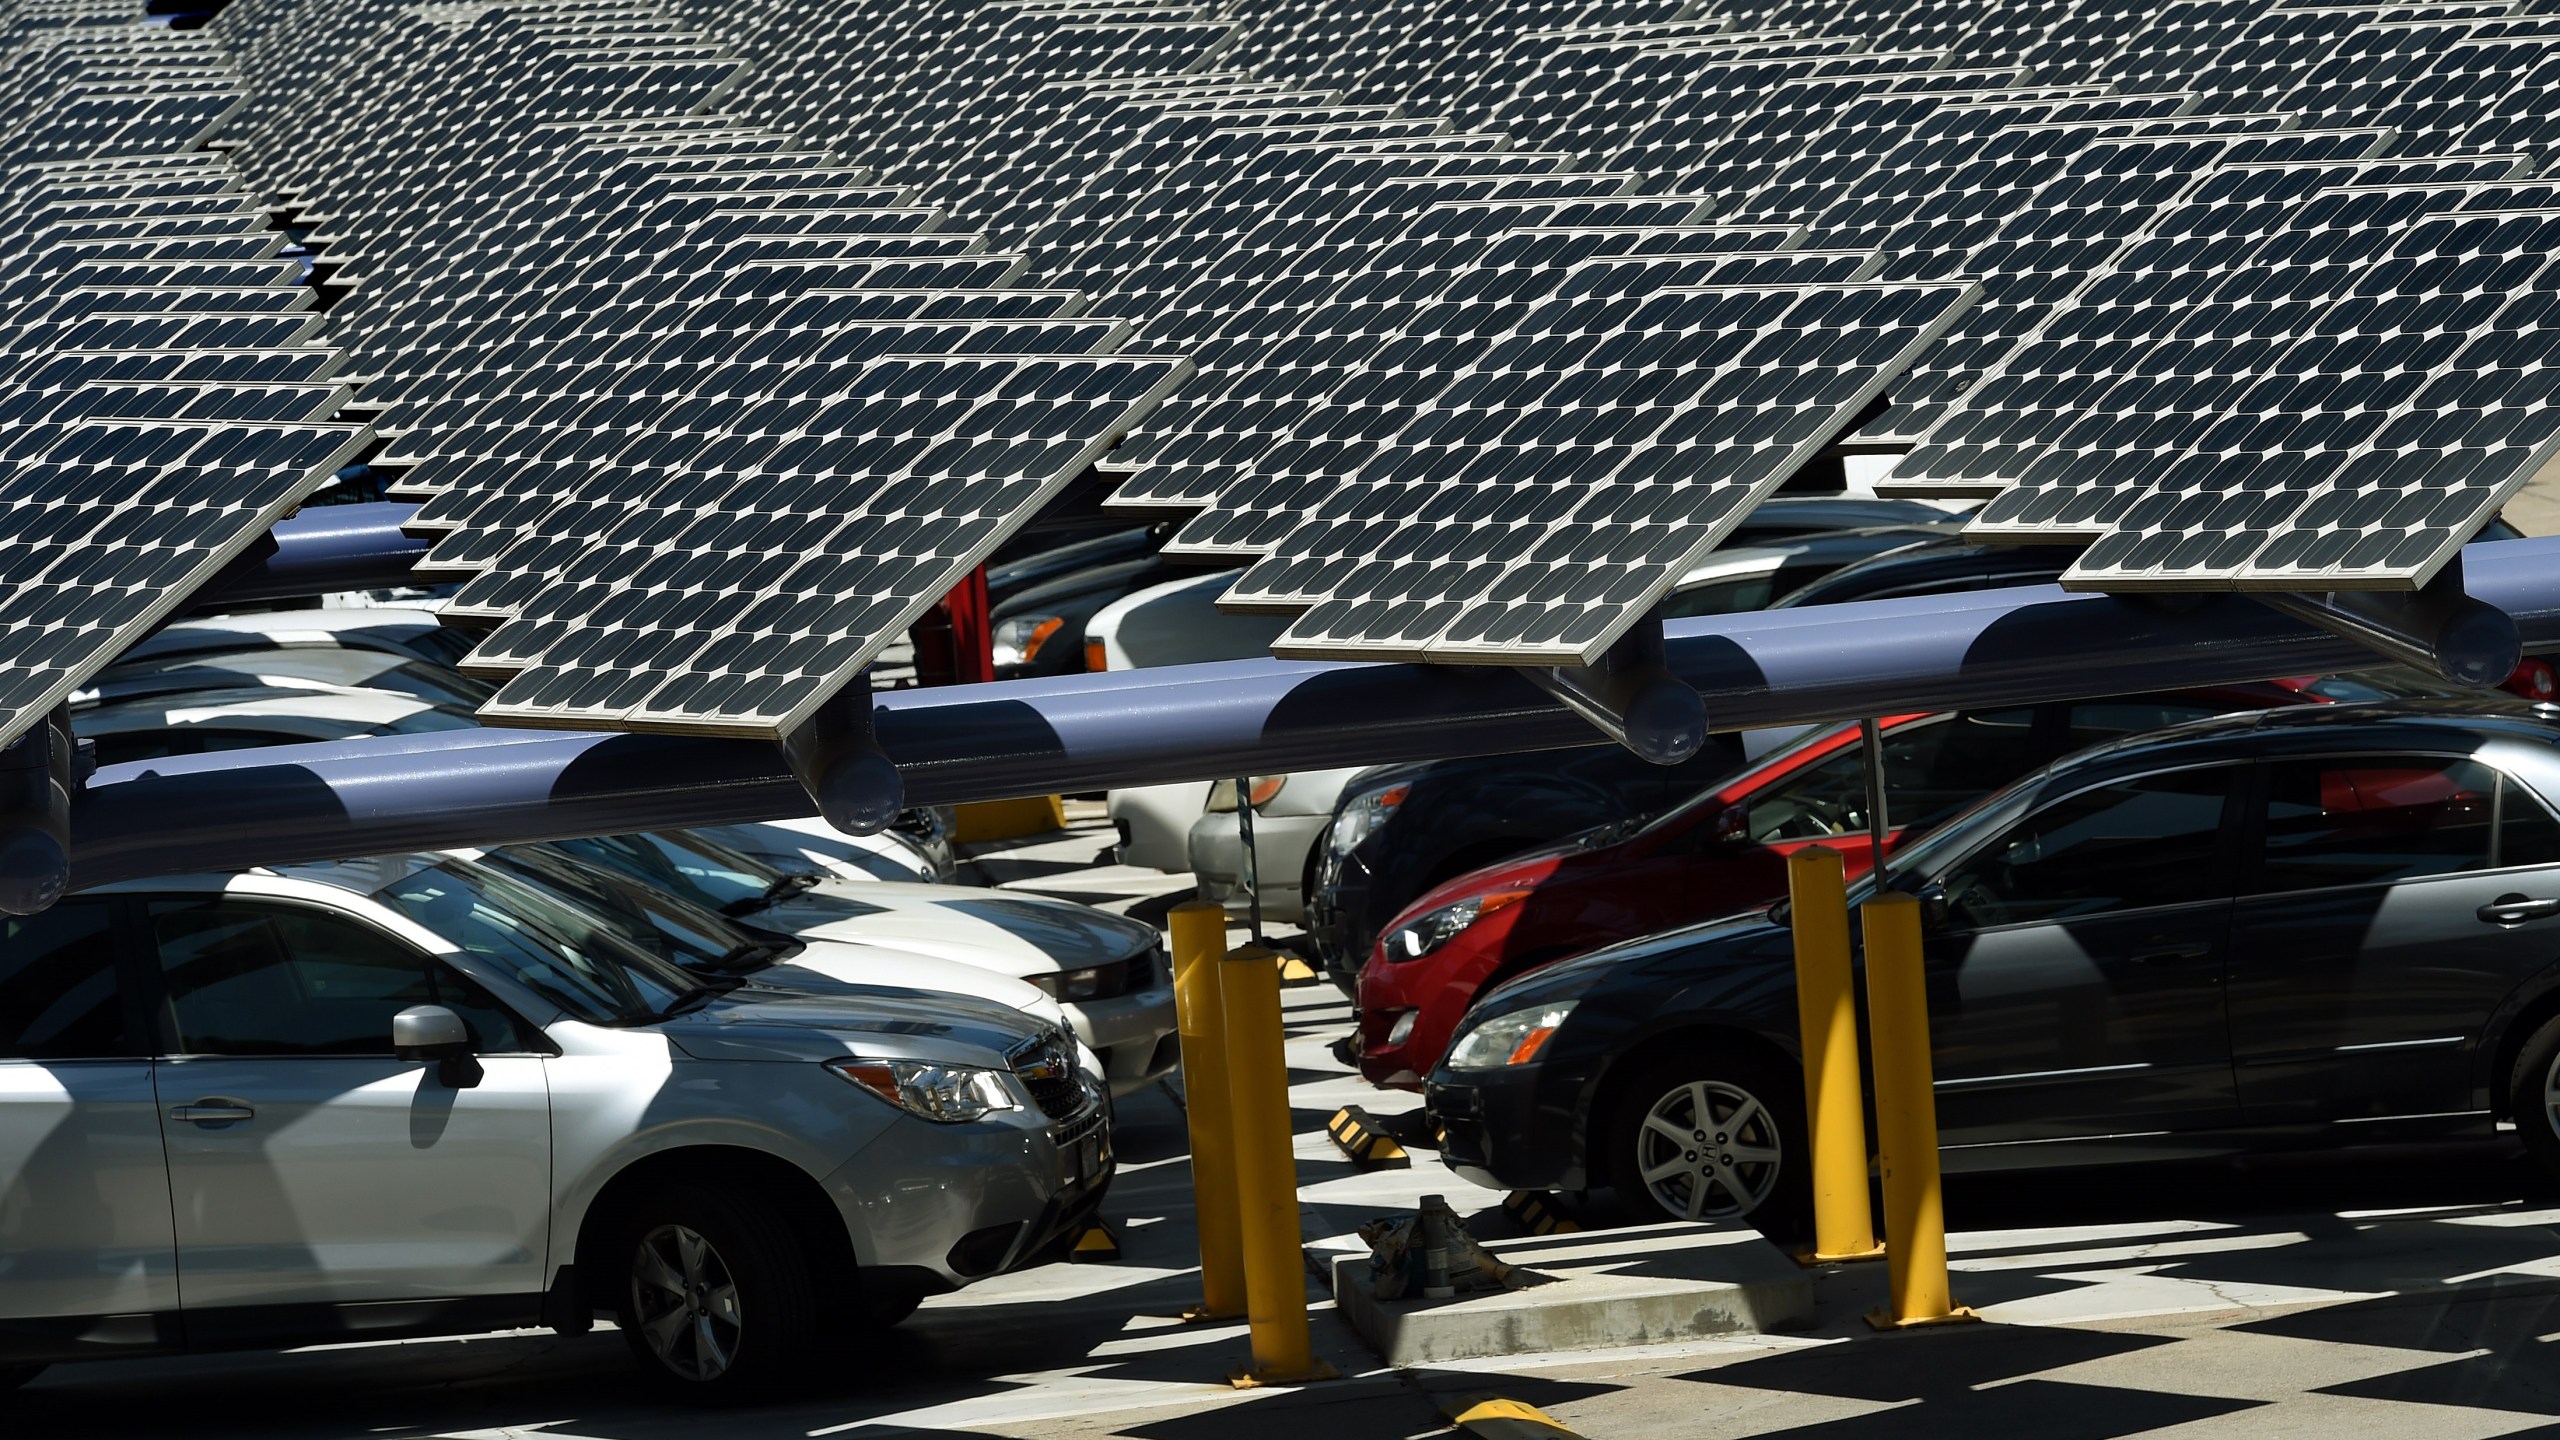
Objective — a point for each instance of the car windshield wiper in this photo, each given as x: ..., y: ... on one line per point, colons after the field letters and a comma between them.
x: 752, y: 955
x: 699, y: 996
x: 782, y: 888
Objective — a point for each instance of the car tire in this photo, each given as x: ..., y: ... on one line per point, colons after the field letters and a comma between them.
x: 715, y: 1297
x: 884, y: 1312
x: 2533, y: 1102
x: 13, y: 1376
x: 1755, y: 1108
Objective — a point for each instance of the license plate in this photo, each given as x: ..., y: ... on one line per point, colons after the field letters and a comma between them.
x: 1083, y: 1160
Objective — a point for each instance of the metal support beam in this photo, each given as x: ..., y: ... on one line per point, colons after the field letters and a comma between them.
x: 2440, y: 629
x: 836, y: 756
x: 1201, y: 722
x: 324, y: 548
x: 1632, y: 697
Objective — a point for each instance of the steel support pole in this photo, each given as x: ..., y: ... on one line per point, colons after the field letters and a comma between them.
x: 1915, y: 1220
x: 1275, y: 1266
x: 1199, y: 945
x: 1844, y: 1226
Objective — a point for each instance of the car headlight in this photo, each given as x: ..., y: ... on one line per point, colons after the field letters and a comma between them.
x: 1428, y: 932
x: 945, y: 1094
x: 1515, y: 1038
x: 1017, y: 641
x: 1094, y: 982
x: 1362, y: 815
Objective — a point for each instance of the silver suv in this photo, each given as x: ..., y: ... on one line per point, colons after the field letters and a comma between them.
x: 257, y: 1110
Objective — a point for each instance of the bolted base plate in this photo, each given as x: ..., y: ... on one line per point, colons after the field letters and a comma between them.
x: 1881, y: 1318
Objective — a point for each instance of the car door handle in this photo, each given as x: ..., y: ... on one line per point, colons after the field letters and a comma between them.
x: 212, y: 1112
x: 2194, y: 951
x: 2517, y: 909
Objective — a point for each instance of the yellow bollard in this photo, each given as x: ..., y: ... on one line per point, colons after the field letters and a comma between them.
x: 1844, y: 1228
x: 1915, y: 1218
x: 1275, y: 1266
x: 1199, y: 940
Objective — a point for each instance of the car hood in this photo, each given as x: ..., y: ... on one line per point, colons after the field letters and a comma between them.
x: 1654, y: 967
x: 1521, y: 872
x: 761, y: 1021
x: 838, y: 966
x: 1012, y: 934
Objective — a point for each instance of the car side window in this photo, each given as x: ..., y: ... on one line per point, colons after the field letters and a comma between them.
x: 2131, y: 845
x: 2527, y: 833
x: 1932, y: 768
x: 58, y: 993
x: 2374, y: 819
x: 2097, y: 722
x: 242, y: 978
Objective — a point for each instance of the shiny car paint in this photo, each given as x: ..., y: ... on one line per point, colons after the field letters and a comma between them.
x: 2390, y: 1010
x: 1608, y: 886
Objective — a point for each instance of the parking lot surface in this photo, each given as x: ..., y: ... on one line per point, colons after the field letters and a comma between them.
x: 2395, y: 1293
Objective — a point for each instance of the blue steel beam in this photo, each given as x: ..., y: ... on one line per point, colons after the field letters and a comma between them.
x: 324, y: 548
x: 1201, y: 722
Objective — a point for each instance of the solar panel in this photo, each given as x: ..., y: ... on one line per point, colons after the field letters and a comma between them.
x: 1464, y: 293
x: 1675, y: 413
x: 2378, y: 442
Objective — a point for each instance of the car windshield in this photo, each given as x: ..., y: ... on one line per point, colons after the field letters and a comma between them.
x: 701, y: 871
x: 775, y: 846
x: 664, y: 925
x: 559, y: 952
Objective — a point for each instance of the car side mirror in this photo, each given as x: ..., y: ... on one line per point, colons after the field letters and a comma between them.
x: 432, y: 1032
x: 1933, y: 905
x: 1733, y: 827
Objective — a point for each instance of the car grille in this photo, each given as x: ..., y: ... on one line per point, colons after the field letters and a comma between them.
x: 1047, y: 1068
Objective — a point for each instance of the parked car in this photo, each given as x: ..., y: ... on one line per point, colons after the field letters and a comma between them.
x: 1723, y: 850
x: 1042, y: 628
x: 916, y: 849
x: 410, y: 633
x: 203, y: 721
x: 1400, y: 831
x: 413, y: 1097
x: 1290, y: 814
x: 2306, y: 926
x: 299, y: 667
x: 1110, y: 972
x: 710, y: 944
x: 1008, y: 578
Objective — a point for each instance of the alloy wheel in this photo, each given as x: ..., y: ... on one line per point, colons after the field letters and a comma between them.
x: 686, y: 1301
x: 2551, y: 1095
x: 1710, y: 1151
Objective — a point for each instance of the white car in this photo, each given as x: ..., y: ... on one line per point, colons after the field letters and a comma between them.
x: 813, y: 843
x: 414, y: 1097
x: 685, y: 934
x: 1290, y: 814
x: 1110, y: 972
x: 414, y: 634
x: 209, y: 720
x: 316, y: 668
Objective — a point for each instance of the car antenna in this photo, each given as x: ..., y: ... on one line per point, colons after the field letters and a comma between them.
x: 1878, y: 827
x: 1252, y: 873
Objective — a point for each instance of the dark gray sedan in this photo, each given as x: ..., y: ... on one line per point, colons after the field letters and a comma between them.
x: 2295, y: 927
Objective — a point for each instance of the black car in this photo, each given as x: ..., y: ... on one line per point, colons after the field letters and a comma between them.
x: 2307, y: 926
x: 1039, y: 629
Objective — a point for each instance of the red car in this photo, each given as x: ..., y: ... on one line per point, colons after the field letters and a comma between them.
x: 1726, y: 851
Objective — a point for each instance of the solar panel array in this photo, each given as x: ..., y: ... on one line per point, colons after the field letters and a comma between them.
x: 718, y: 340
